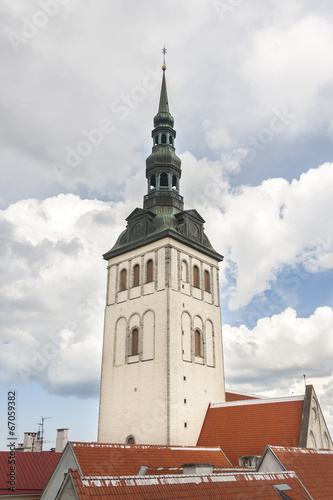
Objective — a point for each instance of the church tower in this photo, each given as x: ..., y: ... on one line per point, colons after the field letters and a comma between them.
x: 162, y: 358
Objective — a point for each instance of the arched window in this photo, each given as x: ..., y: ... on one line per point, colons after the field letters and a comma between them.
x: 136, y: 275
x: 134, y: 345
x: 130, y: 440
x: 164, y: 181
x: 123, y: 280
x: 174, y: 182
x: 163, y: 139
x: 184, y: 271
x: 196, y: 281
x: 150, y: 271
x: 197, y: 343
x: 170, y: 140
x: 152, y: 181
x: 207, y: 281
x: 156, y: 139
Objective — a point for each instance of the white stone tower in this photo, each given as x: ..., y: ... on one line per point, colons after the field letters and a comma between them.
x: 162, y: 351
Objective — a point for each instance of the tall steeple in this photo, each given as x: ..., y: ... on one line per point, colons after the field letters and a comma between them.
x: 163, y: 211
x: 162, y: 350
x: 163, y: 166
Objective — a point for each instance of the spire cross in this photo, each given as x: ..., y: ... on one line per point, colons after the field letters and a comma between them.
x: 164, y: 51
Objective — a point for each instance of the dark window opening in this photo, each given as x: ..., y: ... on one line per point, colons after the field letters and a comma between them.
x: 207, y: 281
x: 170, y: 140
x: 123, y: 280
x: 153, y: 182
x: 136, y: 275
x: 196, y: 276
x: 164, y: 181
x: 156, y: 139
x: 197, y: 341
x: 135, y: 342
x: 163, y: 139
x: 130, y: 440
x: 174, y: 182
x: 150, y: 269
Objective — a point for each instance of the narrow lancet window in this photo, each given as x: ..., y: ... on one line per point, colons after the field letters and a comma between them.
x: 207, y: 281
x: 136, y: 275
x: 184, y: 271
x: 197, y: 342
x: 163, y: 139
x: 150, y: 271
x: 134, y: 347
x: 196, y: 280
x: 123, y: 280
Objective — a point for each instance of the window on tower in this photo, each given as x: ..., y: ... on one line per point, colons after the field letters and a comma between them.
x: 197, y: 343
x: 196, y: 280
x: 170, y: 140
x: 134, y: 345
x: 150, y: 271
x: 123, y: 280
x: 174, y: 182
x: 153, y: 182
x: 163, y: 139
x: 184, y: 271
x: 136, y: 275
x: 164, y: 181
x: 207, y: 281
x: 156, y: 139
x: 130, y: 440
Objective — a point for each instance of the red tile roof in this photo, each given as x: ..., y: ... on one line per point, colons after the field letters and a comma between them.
x: 250, y: 486
x: 313, y: 467
x: 246, y: 427
x: 237, y: 396
x: 121, y: 460
x: 32, y: 471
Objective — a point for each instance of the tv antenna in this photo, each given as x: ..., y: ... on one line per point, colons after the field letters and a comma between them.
x: 41, y: 430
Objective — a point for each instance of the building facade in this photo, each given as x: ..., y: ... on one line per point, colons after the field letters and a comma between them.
x: 162, y: 358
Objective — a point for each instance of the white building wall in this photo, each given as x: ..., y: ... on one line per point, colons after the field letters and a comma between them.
x: 161, y: 395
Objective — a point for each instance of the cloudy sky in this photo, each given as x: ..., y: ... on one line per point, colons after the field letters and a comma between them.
x: 250, y: 87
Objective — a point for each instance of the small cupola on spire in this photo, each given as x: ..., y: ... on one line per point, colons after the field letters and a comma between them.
x: 163, y: 166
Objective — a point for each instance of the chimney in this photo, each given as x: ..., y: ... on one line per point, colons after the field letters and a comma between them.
x: 61, y: 440
x: 202, y: 469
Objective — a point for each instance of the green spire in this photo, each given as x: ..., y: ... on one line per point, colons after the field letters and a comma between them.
x: 164, y: 105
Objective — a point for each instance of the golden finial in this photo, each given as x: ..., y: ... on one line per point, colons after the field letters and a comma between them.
x: 164, y: 50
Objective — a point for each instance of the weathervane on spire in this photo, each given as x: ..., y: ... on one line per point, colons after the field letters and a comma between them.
x: 164, y: 51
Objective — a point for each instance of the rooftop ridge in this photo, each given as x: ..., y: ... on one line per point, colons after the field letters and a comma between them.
x: 186, y: 478
x: 296, y: 449
x: 240, y: 393
x: 95, y: 444
x: 246, y: 402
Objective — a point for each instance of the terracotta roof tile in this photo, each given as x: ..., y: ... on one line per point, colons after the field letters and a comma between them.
x: 250, y: 486
x: 237, y: 396
x: 247, y: 427
x: 120, y: 460
x: 32, y: 471
x: 313, y: 467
